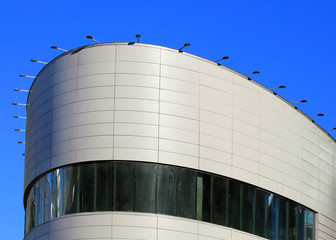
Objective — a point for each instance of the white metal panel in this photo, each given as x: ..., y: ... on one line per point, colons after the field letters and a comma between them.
x: 179, y: 98
x: 138, y: 68
x: 137, y: 92
x: 94, y: 117
x: 136, y: 233
x: 179, y: 110
x: 134, y: 154
x: 215, y: 155
x: 130, y: 129
x: 179, y: 86
x: 65, y: 75
x: 181, y: 60
x: 210, y: 230
x: 67, y: 61
x: 179, y: 73
x: 246, y: 176
x: 92, y: 105
x: 137, y: 54
x: 136, y: 117
x: 95, y: 93
x: 136, y: 105
x: 246, y: 164
x: 96, y: 68
x: 96, y: 54
x: 178, y: 158
x: 97, y: 80
x: 136, y: 142
x: 179, y: 122
x: 179, y: 135
x: 94, y: 154
x: 137, y: 80
x: 169, y: 234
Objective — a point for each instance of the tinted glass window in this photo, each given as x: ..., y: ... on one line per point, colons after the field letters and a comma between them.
x: 273, y: 217
x: 86, y: 174
x: 301, y: 226
x: 204, y: 197
x: 175, y: 191
x: 261, y: 213
x: 283, y: 219
x: 235, y: 203
x: 70, y: 190
x: 293, y: 221
x: 219, y: 200
x: 124, y: 187
x: 145, y: 188
x: 104, y: 186
x: 309, y: 225
x: 248, y: 209
x: 167, y: 180
x: 186, y: 192
x: 56, y: 181
x: 30, y: 212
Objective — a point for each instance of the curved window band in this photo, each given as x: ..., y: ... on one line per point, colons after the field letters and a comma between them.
x: 169, y: 190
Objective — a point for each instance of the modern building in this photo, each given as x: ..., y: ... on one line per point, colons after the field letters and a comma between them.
x: 136, y: 141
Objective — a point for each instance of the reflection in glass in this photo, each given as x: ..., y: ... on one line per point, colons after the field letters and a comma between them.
x: 293, y: 221
x: 70, y: 186
x: 186, y: 192
x: 273, y: 217
x: 204, y: 197
x: 283, y: 219
x: 301, y: 227
x: 86, y: 188
x: 167, y: 178
x: 235, y: 203
x: 124, y: 186
x: 219, y: 200
x: 30, y: 212
x: 309, y: 225
x: 145, y: 188
x: 261, y: 213
x: 175, y: 191
x: 248, y: 209
x: 104, y: 186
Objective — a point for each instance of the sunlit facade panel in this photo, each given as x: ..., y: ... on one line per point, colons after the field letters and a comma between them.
x: 137, y: 103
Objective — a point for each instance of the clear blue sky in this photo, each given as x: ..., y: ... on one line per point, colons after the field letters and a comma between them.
x: 291, y: 42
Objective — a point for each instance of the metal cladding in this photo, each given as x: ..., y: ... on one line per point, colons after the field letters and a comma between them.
x: 145, y: 103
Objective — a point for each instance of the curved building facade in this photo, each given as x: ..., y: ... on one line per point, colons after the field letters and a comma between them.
x: 136, y: 141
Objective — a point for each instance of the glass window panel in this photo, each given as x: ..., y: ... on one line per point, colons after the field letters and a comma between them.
x: 234, y: 204
x: 204, y: 197
x: 49, y: 206
x: 167, y: 181
x: 261, y: 213
x: 273, y: 217
x: 301, y: 226
x: 145, y: 187
x: 219, y: 200
x: 283, y: 218
x: 70, y: 190
x: 54, y: 180
x: 86, y: 187
x: 186, y: 193
x: 104, y: 186
x: 30, y: 211
x: 293, y: 221
x: 248, y: 209
x: 124, y: 186
x: 180, y: 192
x: 309, y: 225
x: 39, y: 201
